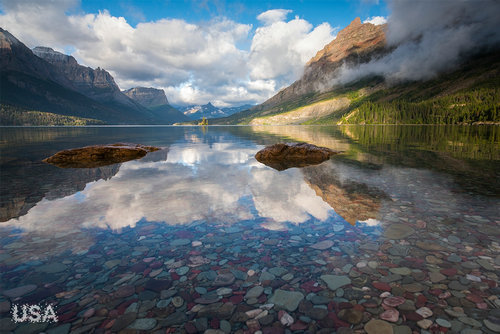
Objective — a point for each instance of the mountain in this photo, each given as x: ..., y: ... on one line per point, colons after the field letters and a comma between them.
x: 96, y: 84
x: 30, y: 83
x: 210, y: 111
x: 148, y: 97
x: 50, y: 88
x: 16, y: 57
x: 357, y: 43
x: 156, y: 101
x: 469, y: 93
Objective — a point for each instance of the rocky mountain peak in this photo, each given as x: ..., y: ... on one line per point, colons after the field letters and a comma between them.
x: 6, y: 40
x: 355, y: 23
x: 54, y: 57
x: 97, y: 83
x: 356, y: 43
x: 148, y: 97
x: 356, y: 37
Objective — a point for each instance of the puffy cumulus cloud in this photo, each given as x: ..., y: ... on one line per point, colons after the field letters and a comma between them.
x: 273, y: 15
x: 280, y: 49
x: 193, y: 63
x: 35, y: 22
x: 221, y: 183
x: 376, y: 20
x: 430, y: 37
x: 294, y: 203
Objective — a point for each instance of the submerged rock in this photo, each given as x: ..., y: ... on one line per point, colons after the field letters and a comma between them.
x: 288, y: 300
x: 375, y: 326
x: 99, y: 155
x: 283, y: 156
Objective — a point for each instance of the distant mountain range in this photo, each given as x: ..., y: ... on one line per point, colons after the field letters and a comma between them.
x: 470, y: 93
x: 208, y: 110
x: 45, y: 87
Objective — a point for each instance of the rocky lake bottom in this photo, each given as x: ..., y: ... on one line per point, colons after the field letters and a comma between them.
x: 201, y: 238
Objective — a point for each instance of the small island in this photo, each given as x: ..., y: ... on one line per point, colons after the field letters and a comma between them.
x: 283, y: 156
x: 99, y: 155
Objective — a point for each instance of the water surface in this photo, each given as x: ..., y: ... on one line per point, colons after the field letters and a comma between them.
x: 181, y: 238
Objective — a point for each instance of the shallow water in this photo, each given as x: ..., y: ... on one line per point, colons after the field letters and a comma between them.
x: 183, y: 239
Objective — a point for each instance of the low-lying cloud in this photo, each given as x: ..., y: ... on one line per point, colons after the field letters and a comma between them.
x: 193, y: 62
x: 430, y: 37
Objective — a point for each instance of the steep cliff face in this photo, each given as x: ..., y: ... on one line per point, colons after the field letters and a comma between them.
x: 357, y: 43
x: 156, y: 102
x: 148, y: 97
x: 356, y: 38
x: 54, y: 57
x: 59, y: 85
x: 15, y: 56
x: 97, y: 84
x: 31, y: 83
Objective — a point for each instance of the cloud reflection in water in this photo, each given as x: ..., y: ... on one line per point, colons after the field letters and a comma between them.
x: 196, y: 182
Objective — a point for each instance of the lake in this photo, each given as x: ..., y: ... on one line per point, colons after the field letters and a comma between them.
x: 401, y: 229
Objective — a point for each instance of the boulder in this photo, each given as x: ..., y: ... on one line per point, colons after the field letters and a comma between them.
x: 283, y: 156
x: 99, y: 155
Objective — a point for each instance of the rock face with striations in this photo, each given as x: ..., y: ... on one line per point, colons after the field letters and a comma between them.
x: 148, y: 97
x: 357, y: 43
x: 97, y: 84
x: 156, y: 101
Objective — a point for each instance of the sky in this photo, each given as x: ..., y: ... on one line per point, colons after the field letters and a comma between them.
x: 225, y: 52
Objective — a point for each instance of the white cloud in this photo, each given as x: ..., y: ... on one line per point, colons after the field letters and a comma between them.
x: 294, y: 203
x: 273, y: 15
x: 370, y: 222
x: 280, y: 50
x: 193, y: 62
x: 376, y: 20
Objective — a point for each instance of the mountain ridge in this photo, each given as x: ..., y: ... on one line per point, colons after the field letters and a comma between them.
x: 59, y: 91
x: 97, y: 84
